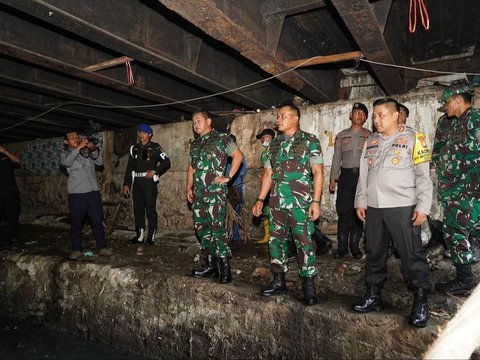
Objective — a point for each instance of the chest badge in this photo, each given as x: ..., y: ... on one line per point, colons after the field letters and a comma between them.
x: 395, y: 161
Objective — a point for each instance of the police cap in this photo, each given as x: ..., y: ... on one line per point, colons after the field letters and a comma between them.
x: 360, y: 106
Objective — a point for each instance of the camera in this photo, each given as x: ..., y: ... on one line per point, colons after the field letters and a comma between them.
x: 91, y: 139
x: 85, y: 152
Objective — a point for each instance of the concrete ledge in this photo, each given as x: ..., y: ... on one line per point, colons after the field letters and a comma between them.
x: 165, y: 315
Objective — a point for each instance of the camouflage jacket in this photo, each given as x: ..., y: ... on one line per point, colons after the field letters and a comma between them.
x: 440, y: 149
x: 290, y: 161
x: 462, y: 168
x: 208, y: 158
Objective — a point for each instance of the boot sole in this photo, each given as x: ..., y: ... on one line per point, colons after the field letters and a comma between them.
x: 274, y: 294
x: 206, y: 277
x: 420, y: 325
x: 365, y: 311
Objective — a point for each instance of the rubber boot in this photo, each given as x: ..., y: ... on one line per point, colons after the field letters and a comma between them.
x: 139, y: 236
x: 371, y: 301
x: 209, y: 270
x: 225, y: 271
x: 277, y: 286
x: 355, y: 246
x: 309, y: 292
x: 266, y: 231
x: 420, y: 314
x: 322, y: 241
x: 342, y: 248
x: 462, y: 284
x: 151, y: 236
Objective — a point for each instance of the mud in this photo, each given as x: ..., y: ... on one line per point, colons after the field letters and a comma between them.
x: 144, y: 300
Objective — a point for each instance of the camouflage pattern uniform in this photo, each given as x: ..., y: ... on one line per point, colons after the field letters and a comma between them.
x: 440, y: 153
x: 290, y: 159
x: 208, y: 158
x: 461, y: 193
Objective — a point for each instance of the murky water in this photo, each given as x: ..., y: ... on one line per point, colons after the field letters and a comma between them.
x: 25, y: 340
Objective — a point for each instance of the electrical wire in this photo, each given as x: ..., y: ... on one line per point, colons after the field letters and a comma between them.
x: 417, y: 69
x: 222, y: 92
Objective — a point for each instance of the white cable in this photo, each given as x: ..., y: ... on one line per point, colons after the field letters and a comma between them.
x: 416, y: 69
x: 224, y: 92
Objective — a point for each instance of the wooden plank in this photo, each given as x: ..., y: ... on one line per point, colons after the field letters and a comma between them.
x: 326, y: 59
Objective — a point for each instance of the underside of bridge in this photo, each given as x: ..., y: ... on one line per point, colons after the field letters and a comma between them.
x: 112, y: 64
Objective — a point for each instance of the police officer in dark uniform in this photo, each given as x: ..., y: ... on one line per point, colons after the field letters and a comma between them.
x: 345, y: 171
x: 147, y: 162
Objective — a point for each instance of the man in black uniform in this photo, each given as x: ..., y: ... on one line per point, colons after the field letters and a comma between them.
x: 147, y: 162
x: 9, y: 196
x: 345, y: 170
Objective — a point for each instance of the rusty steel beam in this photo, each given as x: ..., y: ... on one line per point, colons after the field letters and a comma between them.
x: 74, y: 116
x: 360, y: 19
x: 237, y: 33
x: 95, y: 78
x: 131, y: 44
x: 58, y: 66
x: 290, y: 7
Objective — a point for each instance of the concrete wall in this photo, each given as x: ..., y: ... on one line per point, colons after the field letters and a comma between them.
x: 47, y: 194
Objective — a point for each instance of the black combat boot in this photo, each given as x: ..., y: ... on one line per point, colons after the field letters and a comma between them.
x: 342, y: 248
x: 309, y: 292
x: 139, y: 236
x: 322, y: 241
x: 420, y: 314
x: 278, y: 285
x: 225, y: 272
x: 151, y: 237
x: 355, y: 246
x: 462, y: 284
x: 371, y: 301
x: 209, y: 270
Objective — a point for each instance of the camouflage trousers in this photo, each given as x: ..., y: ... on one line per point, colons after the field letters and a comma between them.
x: 294, y: 221
x: 209, y: 223
x: 461, y: 224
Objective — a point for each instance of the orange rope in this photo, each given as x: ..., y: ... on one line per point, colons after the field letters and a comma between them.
x: 412, y: 15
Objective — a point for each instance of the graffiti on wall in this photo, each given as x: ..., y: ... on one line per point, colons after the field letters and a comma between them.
x: 42, y: 157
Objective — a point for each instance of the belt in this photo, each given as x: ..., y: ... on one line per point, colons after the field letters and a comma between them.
x: 352, y: 170
x: 139, y: 174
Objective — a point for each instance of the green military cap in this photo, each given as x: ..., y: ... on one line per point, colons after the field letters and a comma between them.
x: 456, y: 87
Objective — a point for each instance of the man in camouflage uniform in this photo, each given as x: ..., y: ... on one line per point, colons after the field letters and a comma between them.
x: 460, y: 192
x: 345, y: 169
x: 394, y: 196
x: 207, y: 192
x: 293, y: 158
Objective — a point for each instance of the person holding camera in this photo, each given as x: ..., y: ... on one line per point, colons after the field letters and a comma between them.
x: 79, y: 159
x: 146, y: 163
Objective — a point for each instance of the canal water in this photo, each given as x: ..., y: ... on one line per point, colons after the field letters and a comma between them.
x: 20, y: 339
